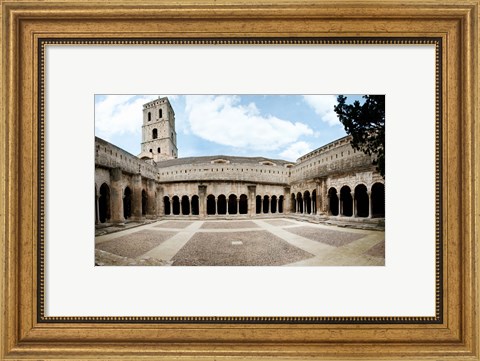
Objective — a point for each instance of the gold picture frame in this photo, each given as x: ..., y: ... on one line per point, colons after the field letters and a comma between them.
x: 25, y: 335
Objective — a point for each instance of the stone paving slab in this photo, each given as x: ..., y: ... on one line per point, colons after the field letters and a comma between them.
x: 330, y: 237
x: 280, y: 222
x: 378, y: 250
x: 257, y: 248
x: 134, y: 244
x: 295, y: 244
x: 173, y: 224
x: 228, y: 225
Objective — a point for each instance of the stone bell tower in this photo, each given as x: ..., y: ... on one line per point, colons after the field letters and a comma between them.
x: 158, y: 130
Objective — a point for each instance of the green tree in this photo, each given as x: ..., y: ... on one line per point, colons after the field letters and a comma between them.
x: 366, y: 124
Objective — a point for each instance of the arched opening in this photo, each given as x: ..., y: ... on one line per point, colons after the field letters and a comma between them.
x: 293, y: 205
x: 127, y: 203
x: 210, y: 204
x: 299, y: 203
x: 222, y: 204
x: 160, y: 113
x: 144, y: 202
x: 333, y: 201
x: 149, y: 116
x: 185, y: 206
x: 158, y: 150
x: 195, y: 206
x: 308, y: 202
x: 243, y: 204
x: 378, y: 200
x: 232, y: 204
x: 280, y: 204
x: 361, y: 201
x: 258, y: 204
x: 166, y: 206
x: 266, y: 203
x: 314, y: 201
x: 154, y: 133
x: 175, y: 205
x: 346, y: 201
x: 104, y: 203
x: 273, y: 204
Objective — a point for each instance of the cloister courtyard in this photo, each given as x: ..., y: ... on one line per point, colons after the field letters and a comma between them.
x: 240, y: 242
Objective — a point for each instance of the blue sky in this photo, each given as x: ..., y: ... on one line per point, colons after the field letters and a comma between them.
x: 272, y: 126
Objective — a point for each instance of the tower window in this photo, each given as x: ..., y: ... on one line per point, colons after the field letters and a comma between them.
x: 154, y: 133
x: 149, y: 116
x: 158, y: 150
x: 160, y: 113
x: 151, y: 151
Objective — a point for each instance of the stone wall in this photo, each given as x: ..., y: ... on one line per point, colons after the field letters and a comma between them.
x: 337, y: 157
x: 256, y: 173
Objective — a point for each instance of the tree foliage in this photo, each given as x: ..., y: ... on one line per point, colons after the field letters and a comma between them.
x: 366, y: 124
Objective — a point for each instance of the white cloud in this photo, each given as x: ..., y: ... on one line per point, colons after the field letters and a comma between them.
x: 223, y: 120
x: 119, y: 114
x: 296, y: 150
x: 323, y: 106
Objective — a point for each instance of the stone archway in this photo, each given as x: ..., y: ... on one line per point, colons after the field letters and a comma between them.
x: 127, y: 203
x: 280, y: 204
x: 333, y: 202
x: 144, y: 202
x: 258, y: 204
x: 273, y: 205
x: 222, y: 204
x: 211, y: 208
x: 266, y: 203
x: 176, y: 205
x: 195, y: 205
x: 185, y: 206
x: 243, y: 204
x: 104, y: 203
x: 166, y: 206
x: 308, y: 202
x: 378, y: 200
x: 232, y: 204
x: 362, y: 207
x: 346, y: 201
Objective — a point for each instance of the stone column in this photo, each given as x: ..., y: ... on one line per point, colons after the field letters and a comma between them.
x: 238, y: 205
x: 216, y: 206
x: 287, y: 198
x: 202, y: 200
x: 276, y: 205
x: 116, y: 196
x: 137, y: 196
x: 340, y: 206
x: 159, y: 201
x: 369, y: 204
x: 354, y: 208
x: 227, y: 201
x: 312, y: 210
x: 151, y: 204
x: 97, y: 208
x: 252, y: 200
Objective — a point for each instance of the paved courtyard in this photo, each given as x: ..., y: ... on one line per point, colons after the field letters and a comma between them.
x: 265, y: 242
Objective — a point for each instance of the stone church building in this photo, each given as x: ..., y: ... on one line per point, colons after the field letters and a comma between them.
x: 333, y: 182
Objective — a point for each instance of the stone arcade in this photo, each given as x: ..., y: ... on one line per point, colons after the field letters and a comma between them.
x: 332, y: 182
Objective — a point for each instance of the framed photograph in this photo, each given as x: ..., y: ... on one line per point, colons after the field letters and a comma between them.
x: 202, y: 180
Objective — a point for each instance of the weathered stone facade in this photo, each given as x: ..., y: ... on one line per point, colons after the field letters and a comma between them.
x: 331, y: 181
